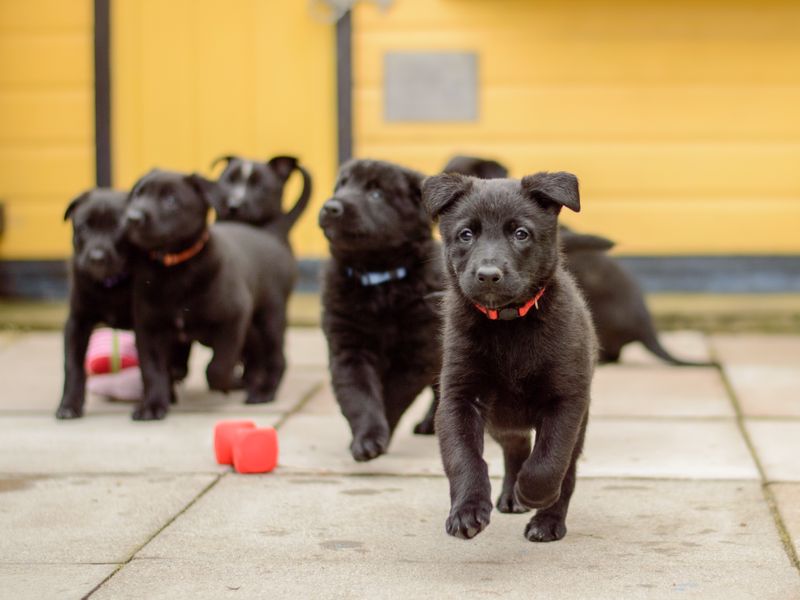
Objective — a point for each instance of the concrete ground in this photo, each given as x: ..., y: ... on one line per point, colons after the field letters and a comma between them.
x: 689, y: 487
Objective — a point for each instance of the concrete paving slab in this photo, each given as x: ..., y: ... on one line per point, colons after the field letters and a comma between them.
x: 317, y: 440
x: 757, y: 349
x: 306, y: 346
x: 659, y: 391
x: 686, y: 345
x: 88, y: 519
x: 787, y: 498
x: 383, y: 537
x: 766, y: 390
x: 777, y: 444
x: 31, y: 370
x: 51, y: 581
x: 113, y: 444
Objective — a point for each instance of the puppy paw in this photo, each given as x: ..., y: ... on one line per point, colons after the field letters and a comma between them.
x: 219, y: 379
x: 370, y: 445
x: 535, y: 495
x: 69, y: 412
x: 259, y: 397
x: 425, y: 427
x: 545, y: 528
x: 149, y: 412
x: 469, y: 518
x: 507, y: 503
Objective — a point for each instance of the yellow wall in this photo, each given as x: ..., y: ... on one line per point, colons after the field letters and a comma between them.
x: 46, y: 121
x: 681, y: 118
x: 195, y: 79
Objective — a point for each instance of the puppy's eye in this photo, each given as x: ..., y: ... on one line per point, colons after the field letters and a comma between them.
x: 376, y: 195
x: 341, y: 183
x: 255, y: 178
x: 521, y: 234
x: 466, y: 235
x: 170, y: 202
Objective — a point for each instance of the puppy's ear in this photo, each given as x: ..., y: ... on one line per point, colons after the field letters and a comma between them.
x: 491, y: 169
x: 74, y: 204
x: 553, y: 190
x: 283, y: 166
x: 441, y: 191
x: 414, y: 179
x: 209, y: 191
x: 573, y: 242
x: 227, y: 158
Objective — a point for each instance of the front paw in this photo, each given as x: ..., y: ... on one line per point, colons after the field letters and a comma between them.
x: 69, y: 411
x: 149, y: 412
x: 371, y: 443
x: 219, y: 379
x: 507, y: 503
x: 545, y: 528
x: 259, y: 397
x: 469, y: 518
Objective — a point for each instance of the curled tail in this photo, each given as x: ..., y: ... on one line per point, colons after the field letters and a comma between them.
x: 283, y: 224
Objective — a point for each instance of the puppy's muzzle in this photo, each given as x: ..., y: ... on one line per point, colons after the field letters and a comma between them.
x: 135, y: 218
x: 488, y: 275
x: 97, y: 256
x: 333, y: 208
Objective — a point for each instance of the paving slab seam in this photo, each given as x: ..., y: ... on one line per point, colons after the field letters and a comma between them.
x: 304, y: 399
x: 127, y: 561
x: 769, y: 497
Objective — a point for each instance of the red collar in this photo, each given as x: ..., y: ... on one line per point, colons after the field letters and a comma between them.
x: 508, y: 314
x: 170, y: 260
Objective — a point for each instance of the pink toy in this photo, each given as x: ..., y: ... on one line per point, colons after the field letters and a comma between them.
x: 224, y: 432
x: 112, y: 365
x: 255, y: 450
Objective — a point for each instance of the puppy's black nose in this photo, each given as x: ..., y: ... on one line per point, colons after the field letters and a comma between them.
x: 134, y: 216
x: 489, y: 274
x: 97, y: 255
x: 333, y: 208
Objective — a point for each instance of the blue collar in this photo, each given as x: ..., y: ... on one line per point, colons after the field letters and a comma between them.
x: 371, y: 278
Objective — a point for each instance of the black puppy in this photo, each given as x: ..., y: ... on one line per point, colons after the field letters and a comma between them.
x: 481, y: 168
x: 380, y: 304
x: 225, y: 286
x: 100, y: 285
x: 615, y: 299
x: 252, y: 192
x: 519, y: 348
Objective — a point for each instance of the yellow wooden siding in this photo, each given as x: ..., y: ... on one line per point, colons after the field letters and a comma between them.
x: 682, y: 119
x: 195, y: 79
x: 46, y: 121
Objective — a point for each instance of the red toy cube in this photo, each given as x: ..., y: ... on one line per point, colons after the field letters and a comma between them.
x: 255, y: 450
x: 223, y: 439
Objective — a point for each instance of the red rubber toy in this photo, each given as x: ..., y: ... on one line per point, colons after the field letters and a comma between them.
x: 223, y: 439
x: 255, y: 450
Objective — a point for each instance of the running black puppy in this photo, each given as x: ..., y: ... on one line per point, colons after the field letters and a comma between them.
x: 225, y: 286
x: 100, y: 285
x: 380, y: 299
x: 252, y: 192
x: 519, y: 348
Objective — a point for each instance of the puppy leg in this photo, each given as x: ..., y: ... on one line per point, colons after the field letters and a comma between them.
x: 154, y: 345
x: 359, y: 393
x: 269, y: 330
x: 400, y: 388
x: 228, y: 343
x: 179, y: 360
x: 549, y: 524
x: 427, y: 425
x: 516, y: 449
x: 76, y: 340
x: 460, y: 426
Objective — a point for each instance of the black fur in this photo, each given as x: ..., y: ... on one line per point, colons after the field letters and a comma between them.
x: 230, y: 296
x: 252, y: 192
x: 476, y: 167
x: 383, y: 339
x: 508, y: 377
x: 100, y: 285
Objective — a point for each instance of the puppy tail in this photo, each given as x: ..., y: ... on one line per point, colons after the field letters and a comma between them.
x: 286, y: 221
x: 651, y: 342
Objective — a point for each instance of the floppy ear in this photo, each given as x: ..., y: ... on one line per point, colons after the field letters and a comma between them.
x: 414, y: 179
x: 74, y: 204
x: 553, y: 189
x: 227, y: 158
x: 441, y: 191
x: 209, y: 191
x: 573, y: 242
x: 283, y: 166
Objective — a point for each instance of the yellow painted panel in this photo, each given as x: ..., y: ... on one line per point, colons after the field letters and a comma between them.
x: 668, y: 112
x: 595, y: 113
x: 45, y: 15
x: 35, y: 231
x: 46, y: 59
x: 197, y: 79
x: 44, y: 116
x: 46, y: 121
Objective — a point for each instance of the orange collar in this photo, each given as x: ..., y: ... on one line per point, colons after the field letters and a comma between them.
x: 170, y: 260
x: 508, y: 314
